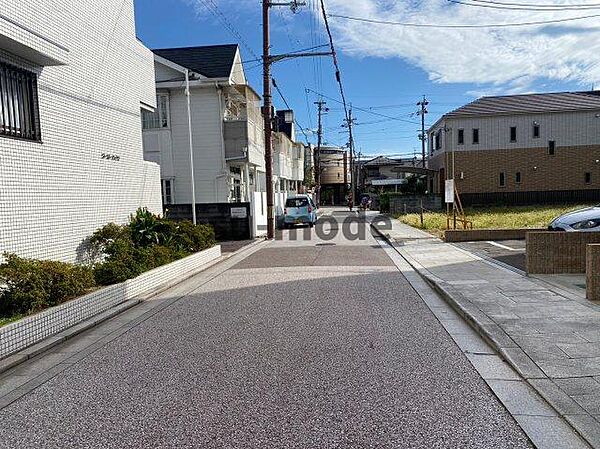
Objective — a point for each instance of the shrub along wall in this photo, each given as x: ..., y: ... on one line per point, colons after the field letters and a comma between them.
x: 116, y: 253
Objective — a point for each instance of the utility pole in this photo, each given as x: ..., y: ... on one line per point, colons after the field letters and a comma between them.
x: 349, y: 123
x: 320, y: 108
x: 268, y: 60
x: 423, y: 104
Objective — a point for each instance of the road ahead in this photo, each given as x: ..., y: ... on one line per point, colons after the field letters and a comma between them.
x: 303, y: 344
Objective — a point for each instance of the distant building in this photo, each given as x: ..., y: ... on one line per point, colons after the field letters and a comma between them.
x: 383, y: 173
x: 73, y: 80
x: 335, y: 175
x: 520, y: 148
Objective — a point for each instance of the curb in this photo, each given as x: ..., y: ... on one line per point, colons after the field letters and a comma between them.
x: 509, y: 351
x: 43, y: 346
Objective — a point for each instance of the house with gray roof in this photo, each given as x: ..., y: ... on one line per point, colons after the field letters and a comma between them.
x: 520, y: 148
x: 213, y: 139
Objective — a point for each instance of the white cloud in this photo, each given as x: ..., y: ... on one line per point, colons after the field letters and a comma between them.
x: 507, y: 60
x: 499, y: 60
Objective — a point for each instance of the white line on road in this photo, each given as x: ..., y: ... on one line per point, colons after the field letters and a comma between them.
x: 499, y: 245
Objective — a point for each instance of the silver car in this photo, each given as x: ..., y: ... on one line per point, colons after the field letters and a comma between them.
x: 583, y: 220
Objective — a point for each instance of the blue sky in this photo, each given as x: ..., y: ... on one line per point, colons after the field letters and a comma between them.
x: 386, y: 69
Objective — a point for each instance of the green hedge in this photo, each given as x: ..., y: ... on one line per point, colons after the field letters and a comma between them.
x: 33, y: 285
x: 119, y: 252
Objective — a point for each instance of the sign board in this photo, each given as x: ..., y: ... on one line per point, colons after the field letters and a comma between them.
x: 389, y: 182
x: 239, y: 212
x: 449, y: 191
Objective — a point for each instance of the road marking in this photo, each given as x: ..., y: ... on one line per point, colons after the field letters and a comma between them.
x: 503, y: 246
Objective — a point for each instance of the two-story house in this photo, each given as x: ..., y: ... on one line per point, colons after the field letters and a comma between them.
x: 212, y: 133
x: 73, y: 80
x: 520, y: 148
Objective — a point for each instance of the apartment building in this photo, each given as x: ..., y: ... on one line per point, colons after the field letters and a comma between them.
x: 222, y: 128
x: 73, y: 80
x: 520, y: 148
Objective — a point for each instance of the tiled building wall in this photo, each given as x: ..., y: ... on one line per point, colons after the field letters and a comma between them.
x: 55, y: 193
x: 479, y: 171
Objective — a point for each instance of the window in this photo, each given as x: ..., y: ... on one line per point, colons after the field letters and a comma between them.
x: 513, y: 133
x: 160, y: 117
x: 167, y: 191
x: 518, y: 177
x: 475, y: 136
x: 19, y: 112
x: 536, y: 131
x: 551, y: 147
x: 461, y: 136
x: 438, y: 140
x: 296, y: 202
x: 588, y: 177
x: 502, y: 179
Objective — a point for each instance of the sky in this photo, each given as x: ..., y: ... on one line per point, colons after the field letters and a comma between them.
x: 386, y: 68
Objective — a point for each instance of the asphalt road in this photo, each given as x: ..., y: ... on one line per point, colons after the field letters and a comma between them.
x: 316, y: 343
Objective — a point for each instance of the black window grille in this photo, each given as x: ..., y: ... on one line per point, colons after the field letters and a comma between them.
x: 475, y: 136
x: 19, y: 111
x: 513, y: 133
x: 461, y: 136
x: 502, y: 180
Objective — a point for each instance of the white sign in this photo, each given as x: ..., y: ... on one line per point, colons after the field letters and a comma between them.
x: 389, y: 182
x: 239, y: 212
x: 449, y: 190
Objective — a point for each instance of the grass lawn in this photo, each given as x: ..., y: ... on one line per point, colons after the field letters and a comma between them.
x: 508, y: 217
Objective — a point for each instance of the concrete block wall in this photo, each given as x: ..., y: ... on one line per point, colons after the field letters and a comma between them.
x: 88, y: 169
x: 558, y: 252
x: 593, y: 272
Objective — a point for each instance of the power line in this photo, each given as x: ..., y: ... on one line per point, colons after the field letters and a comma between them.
x: 367, y: 110
x: 431, y: 25
x: 507, y: 7
x: 338, y: 75
x: 214, y: 9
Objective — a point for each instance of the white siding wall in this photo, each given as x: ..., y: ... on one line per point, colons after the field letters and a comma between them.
x: 207, y: 137
x: 567, y: 129
x: 55, y: 194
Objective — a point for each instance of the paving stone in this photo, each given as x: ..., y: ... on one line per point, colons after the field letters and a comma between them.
x: 492, y: 367
x: 550, y: 432
x: 473, y: 344
x: 9, y: 383
x: 571, y: 367
x: 519, y: 398
x: 587, y: 426
x: 522, y: 363
x: 578, y: 385
x: 581, y: 350
x: 590, y: 402
x: 556, y: 397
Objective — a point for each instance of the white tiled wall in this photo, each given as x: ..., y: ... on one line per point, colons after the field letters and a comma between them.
x: 55, y: 193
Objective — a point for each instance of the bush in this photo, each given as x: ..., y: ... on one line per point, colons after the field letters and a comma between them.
x: 147, y: 242
x: 32, y: 285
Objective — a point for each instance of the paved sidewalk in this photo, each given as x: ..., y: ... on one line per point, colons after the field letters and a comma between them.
x: 550, y: 336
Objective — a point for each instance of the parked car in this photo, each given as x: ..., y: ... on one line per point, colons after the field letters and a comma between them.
x: 299, y: 209
x: 582, y: 220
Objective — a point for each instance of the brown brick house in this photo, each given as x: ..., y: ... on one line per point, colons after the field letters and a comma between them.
x: 521, y: 148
